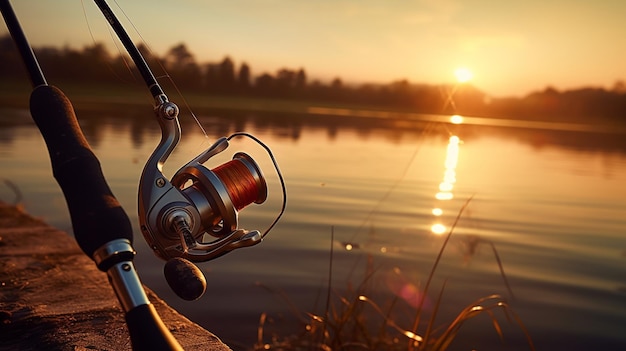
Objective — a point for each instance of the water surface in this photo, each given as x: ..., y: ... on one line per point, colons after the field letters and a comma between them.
x: 551, y: 199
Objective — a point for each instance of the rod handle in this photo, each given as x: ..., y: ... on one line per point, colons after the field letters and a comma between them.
x: 97, y: 217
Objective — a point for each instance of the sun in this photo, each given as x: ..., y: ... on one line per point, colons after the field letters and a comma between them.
x: 463, y: 74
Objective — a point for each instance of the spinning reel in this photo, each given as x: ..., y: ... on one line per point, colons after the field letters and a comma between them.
x: 178, y: 216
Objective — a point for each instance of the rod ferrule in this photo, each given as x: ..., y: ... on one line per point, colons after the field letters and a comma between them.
x: 115, y: 258
x: 128, y: 288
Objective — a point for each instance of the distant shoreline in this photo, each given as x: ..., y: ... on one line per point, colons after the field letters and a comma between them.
x: 89, y: 96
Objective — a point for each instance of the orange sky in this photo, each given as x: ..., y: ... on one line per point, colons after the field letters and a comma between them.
x: 512, y: 48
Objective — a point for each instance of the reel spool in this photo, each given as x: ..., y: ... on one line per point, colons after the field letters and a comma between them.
x: 219, y: 193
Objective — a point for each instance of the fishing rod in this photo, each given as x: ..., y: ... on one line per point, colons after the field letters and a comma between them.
x: 174, y: 215
x: 101, y: 227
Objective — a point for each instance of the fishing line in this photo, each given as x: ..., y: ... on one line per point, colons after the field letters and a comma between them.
x: 167, y: 75
x: 278, y: 173
x: 393, y: 187
x: 124, y: 58
x: 426, y: 131
x: 82, y: 3
x: 113, y: 39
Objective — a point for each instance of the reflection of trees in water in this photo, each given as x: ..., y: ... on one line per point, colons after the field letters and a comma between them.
x: 622, y: 288
x: 139, y: 123
x: 6, y: 136
x: 138, y: 130
x: 10, y: 120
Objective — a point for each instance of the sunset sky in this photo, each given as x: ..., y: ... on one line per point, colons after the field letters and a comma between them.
x: 511, y: 47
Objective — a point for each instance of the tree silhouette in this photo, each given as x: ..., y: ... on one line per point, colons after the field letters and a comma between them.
x: 182, y: 67
x: 264, y: 85
x: 244, y: 78
x: 301, y: 79
x: 11, y: 67
x: 178, y: 56
x: 226, y: 76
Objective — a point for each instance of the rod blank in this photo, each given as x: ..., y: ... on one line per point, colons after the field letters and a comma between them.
x: 28, y: 57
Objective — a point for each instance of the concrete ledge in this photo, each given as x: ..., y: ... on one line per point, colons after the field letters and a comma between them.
x: 52, y: 296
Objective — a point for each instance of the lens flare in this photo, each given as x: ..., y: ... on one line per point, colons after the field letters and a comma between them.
x: 400, y: 286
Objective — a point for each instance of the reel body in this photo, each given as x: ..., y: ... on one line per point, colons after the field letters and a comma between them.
x: 176, y: 216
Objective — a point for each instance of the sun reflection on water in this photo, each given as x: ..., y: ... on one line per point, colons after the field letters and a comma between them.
x: 446, y: 187
x: 456, y: 119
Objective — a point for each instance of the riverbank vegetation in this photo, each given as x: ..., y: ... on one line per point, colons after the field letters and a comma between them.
x: 95, y: 66
x: 357, y: 319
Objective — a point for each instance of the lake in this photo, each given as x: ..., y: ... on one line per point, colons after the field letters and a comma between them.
x: 546, y: 199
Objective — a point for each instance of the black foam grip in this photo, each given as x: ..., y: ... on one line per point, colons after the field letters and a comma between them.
x: 97, y: 216
x: 147, y: 331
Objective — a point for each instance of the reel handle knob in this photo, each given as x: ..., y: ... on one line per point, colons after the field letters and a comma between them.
x: 185, y: 278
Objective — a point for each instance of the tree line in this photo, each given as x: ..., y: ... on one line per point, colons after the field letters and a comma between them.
x: 94, y: 64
